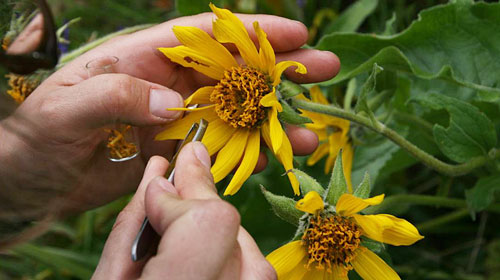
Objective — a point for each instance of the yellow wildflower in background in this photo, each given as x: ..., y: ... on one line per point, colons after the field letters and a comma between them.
x: 331, y: 244
x: 243, y: 106
x: 333, y: 136
x: 20, y: 87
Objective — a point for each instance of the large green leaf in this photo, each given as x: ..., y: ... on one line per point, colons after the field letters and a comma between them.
x: 470, y: 133
x: 352, y: 17
x: 483, y: 193
x: 459, y: 42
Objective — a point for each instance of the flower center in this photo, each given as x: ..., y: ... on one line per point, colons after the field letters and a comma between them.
x: 331, y: 241
x: 237, y: 97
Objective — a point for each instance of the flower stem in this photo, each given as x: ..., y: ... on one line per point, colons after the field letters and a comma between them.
x: 441, y: 220
x: 75, y: 53
x: 426, y: 158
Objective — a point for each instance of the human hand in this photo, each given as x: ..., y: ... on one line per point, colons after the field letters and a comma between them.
x: 201, y: 236
x: 56, y: 133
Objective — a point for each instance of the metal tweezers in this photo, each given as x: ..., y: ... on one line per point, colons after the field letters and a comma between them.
x: 147, y: 237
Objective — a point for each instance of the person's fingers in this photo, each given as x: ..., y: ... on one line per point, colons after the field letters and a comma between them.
x: 254, y: 264
x: 105, y: 99
x: 198, y: 234
x: 320, y: 65
x: 115, y: 262
x: 283, y: 34
x: 303, y: 141
x: 29, y: 39
x: 193, y: 179
x: 139, y: 56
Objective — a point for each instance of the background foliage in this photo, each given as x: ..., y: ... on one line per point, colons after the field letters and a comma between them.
x: 439, y: 89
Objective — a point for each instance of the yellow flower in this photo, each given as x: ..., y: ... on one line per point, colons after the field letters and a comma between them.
x: 331, y: 243
x: 333, y: 136
x: 21, y: 86
x: 243, y: 106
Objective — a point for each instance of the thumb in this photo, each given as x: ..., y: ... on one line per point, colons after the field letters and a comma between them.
x: 107, y: 98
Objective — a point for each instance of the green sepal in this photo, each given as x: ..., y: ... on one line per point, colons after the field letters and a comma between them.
x: 307, y: 183
x: 290, y: 89
x: 363, y: 189
x: 337, y: 185
x: 283, y: 207
x: 291, y: 116
x: 372, y: 245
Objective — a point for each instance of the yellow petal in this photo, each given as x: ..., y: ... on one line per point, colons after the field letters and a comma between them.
x: 229, y: 156
x: 335, y: 142
x: 311, y: 203
x: 178, y: 128
x: 217, y: 135
x: 371, y: 267
x: 247, y: 164
x: 270, y: 100
x: 348, y: 204
x: 297, y: 273
x: 188, y: 57
x: 318, y: 154
x: 317, y: 96
x: 319, y: 130
x: 347, y: 156
x: 199, y: 41
x: 388, y: 229
x: 266, y: 52
x: 339, y: 273
x: 201, y: 96
x: 282, y: 66
x: 287, y: 257
x: 284, y: 155
x: 276, y: 131
x: 227, y: 28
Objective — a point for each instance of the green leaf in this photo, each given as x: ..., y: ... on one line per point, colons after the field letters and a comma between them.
x: 283, y: 207
x: 372, y: 245
x: 337, y: 185
x: 368, y: 87
x: 192, y: 7
x: 291, y: 116
x: 372, y: 158
x: 363, y: 189
x: 456, y: 42
x: 73, y: 263
x: 470, y: 132
x: 290, y: 89
x: 307, y: 183
x: 352, y: 18
x: 482, y: 194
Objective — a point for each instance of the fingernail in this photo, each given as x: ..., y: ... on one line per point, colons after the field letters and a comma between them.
x: 165, y: 185
x: 162, y: 99
x: 201, y: 153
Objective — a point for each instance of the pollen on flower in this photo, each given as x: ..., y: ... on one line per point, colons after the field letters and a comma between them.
x: 20, y: 87
x: 237, y: 97
x: 118, y: 146
x: 331, y: 241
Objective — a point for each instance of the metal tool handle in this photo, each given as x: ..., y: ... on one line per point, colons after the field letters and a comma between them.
x: 147, y: 237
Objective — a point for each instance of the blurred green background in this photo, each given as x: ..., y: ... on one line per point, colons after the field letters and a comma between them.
x: 455, y: 247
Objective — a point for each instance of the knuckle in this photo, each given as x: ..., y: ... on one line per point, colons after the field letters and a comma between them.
x: 119, y: 94
x: 265, y: 271
x: 218, y: 212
